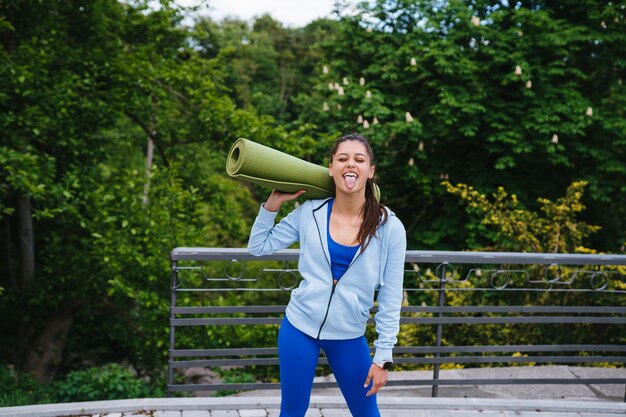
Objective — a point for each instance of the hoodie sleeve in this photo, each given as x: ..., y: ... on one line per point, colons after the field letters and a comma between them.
x: 390, y: 294
x: 267, y: 238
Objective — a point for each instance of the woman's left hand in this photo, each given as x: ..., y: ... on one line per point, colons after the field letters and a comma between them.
x: 378, y: 377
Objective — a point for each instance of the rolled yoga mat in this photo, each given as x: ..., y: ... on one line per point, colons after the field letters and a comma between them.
x: 252, y: 162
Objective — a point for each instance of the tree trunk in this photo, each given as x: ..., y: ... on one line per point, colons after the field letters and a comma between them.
x: 7, y: 269
x: 47, y: 349
x: 26, y: 244
x: 149, y: 159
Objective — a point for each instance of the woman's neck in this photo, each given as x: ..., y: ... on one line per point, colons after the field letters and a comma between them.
x: 349, y: 204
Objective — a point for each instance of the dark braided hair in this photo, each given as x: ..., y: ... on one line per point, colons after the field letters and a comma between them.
x: 373, y: 213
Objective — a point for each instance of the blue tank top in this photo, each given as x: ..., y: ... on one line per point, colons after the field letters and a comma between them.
x: 340, y: 255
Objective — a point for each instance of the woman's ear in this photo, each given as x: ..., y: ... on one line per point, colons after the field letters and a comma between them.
x: 372, y: 171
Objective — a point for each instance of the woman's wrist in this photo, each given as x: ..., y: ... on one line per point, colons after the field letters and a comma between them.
x: 271, y: 206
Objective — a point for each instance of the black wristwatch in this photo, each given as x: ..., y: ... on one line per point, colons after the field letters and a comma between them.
x: 385, y: 365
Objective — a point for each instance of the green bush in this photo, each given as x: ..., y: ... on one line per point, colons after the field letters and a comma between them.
x: 18, y: 388
x: 110, y: 382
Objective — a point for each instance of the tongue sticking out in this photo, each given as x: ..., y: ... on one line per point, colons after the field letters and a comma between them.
x: 350, y: 180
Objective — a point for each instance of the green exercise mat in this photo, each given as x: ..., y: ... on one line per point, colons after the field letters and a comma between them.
x: 259, y: 164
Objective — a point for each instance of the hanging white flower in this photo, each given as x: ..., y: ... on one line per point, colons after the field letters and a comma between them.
x: 340, y: 91
x: 345, y: 81
x: 603, y: 24
x: 589, y: 112
x: 408, y: 117
x: 325, y: 106
x: 375, y: 120
x: 331, y: 86
x: 359, y: 119
x: 518, y: 70
x: 411, y: 162
x: 413, y: 62
x: 475, y: 21
x: 555, y: 139
x: 361, y: 81
x: 339, y: 107
x: 368, y: 94
x: 520, y: 33
x: 529, y: 84
x: 420, y: 147
x: 366, y: 124
x: 325, y: 69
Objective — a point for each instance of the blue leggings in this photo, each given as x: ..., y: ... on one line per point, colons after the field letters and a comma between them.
x: 349, y: 359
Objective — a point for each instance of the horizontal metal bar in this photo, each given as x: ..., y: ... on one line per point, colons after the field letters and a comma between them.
x: 413, y: 360
x: 406, y: 382
x: 416, y: 309
x: 238, y: 387
x: 200, y: 363
x: 225, y: 321
x: 512, y: 320
x: 232, y: 321
x: 194, y: 353
x: 230, y: 309
x: 508, y: 349
x: 512, y: 359
x: 435, y: 257
x: 398, y: 350
x: 514, y: 309
x: 509, y: 381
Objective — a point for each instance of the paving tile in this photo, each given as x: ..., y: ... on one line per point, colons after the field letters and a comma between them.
x: 224, y: 413
x: 465, y: 413
x: 335, y: 412
x: 402, y: 413
x: 273, y: 412
x: 597, y: 415
x: 195, y: 413
x: 541, y: 414
x: 162, y: 413
x: 253, y: 413
x: 313, y: 412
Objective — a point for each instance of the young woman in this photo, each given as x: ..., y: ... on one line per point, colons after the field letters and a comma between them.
x: 350, y: 247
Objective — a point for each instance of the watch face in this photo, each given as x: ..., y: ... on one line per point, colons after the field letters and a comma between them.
x: 387, y: 365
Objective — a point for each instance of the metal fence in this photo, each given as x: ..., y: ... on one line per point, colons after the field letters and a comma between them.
x: 444, y: 292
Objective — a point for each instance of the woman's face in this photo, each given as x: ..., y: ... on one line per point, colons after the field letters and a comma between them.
x: 351, y: 167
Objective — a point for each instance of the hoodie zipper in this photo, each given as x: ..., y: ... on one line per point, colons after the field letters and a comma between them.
x: 332, y: 292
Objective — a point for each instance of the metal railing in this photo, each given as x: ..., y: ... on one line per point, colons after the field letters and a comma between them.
x: 200, y: 300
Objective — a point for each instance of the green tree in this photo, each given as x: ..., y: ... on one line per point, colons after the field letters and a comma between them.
x: 488, y: 93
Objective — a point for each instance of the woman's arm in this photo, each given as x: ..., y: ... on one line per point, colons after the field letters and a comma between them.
x: 390, y: 294
x: 265, y: 238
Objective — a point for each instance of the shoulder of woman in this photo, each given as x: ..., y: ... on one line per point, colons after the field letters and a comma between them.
x: 392, y: 220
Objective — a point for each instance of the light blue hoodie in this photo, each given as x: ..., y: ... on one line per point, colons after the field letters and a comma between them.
x: 326, y: 311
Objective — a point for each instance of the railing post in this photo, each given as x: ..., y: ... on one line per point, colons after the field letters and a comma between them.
x: 442, y: 301
x: 170, y: 369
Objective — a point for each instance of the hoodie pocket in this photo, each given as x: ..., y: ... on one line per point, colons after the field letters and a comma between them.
x: 346, y: 306
x: 309, y: 301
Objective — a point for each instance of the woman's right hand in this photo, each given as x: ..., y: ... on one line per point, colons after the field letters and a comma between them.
x: 277, y: 198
